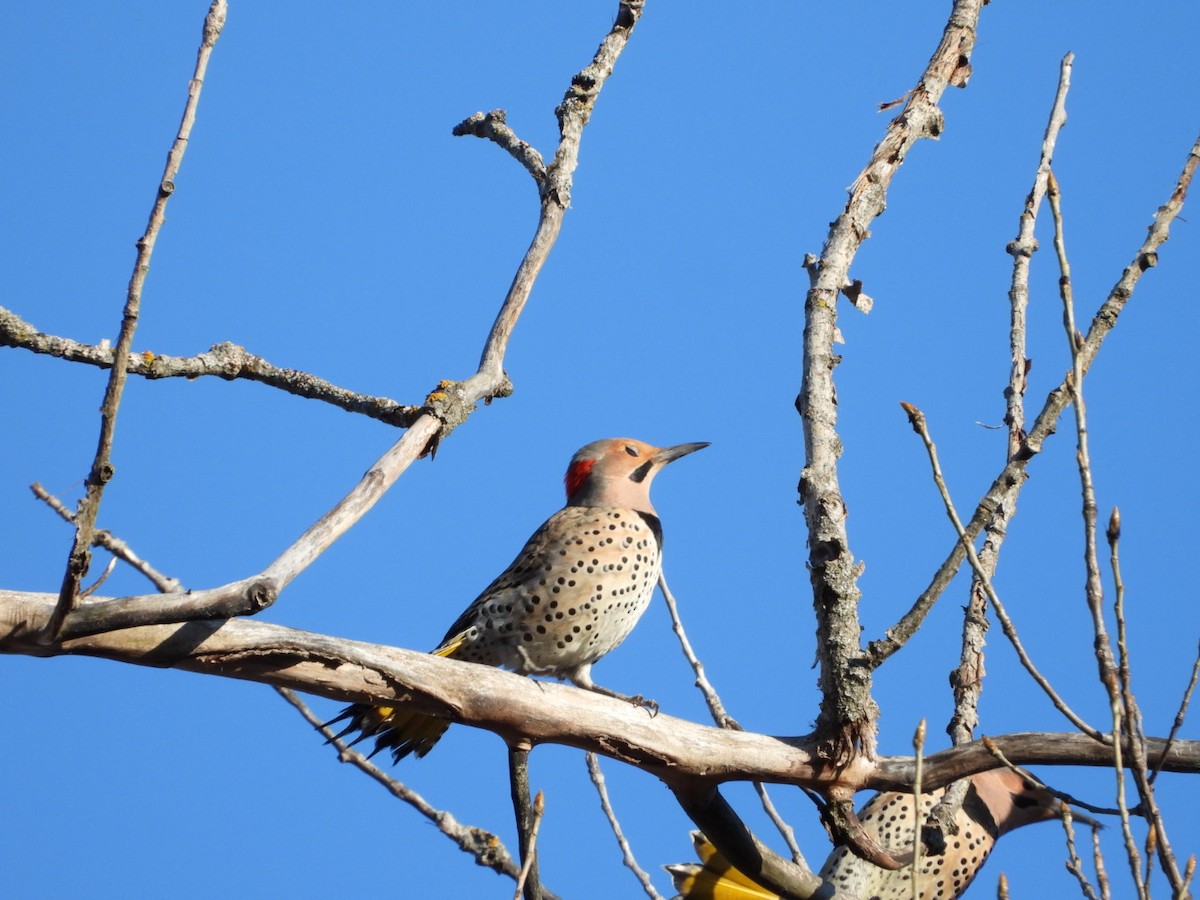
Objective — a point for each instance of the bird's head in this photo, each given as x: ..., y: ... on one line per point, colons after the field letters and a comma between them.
x: 618, y: 471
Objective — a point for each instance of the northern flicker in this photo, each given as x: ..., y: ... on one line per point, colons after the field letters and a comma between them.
x: 997, y: 802
x: 573, y: 593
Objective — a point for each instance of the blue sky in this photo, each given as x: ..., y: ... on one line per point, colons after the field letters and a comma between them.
x: 326, y: 219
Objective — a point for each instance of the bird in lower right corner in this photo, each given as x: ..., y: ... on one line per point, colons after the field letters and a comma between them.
x: 997, y: 802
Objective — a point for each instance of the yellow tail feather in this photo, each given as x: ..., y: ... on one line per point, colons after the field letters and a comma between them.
x: 715, y: 878
x: 398, y: 730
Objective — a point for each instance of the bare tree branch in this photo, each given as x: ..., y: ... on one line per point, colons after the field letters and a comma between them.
x: 631, y: 863
x: 967, y: 679
x: 1013, y: 476
x: 517, y: 708
x: 102, y: 468
x: 447, y: 407
x: 485, y: 847
x: 920, y: 426
x: 225, y: 360
x: 528, y: 818
x: 114, y: 545
x: 847, y: 718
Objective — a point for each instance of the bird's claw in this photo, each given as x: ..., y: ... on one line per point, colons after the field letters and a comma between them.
x: 651, y: 706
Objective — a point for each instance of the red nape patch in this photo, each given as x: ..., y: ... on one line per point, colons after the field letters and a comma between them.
x: 577, y: 474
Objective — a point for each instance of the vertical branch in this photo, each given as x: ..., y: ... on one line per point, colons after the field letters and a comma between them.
x: 518, y: 775
x: 846, y: 724
x: 555, y: 184
x: 1093, y: 587
x: 102, y: 469
x: 967, y: 678
x: 1133, y: 714
x: 918, y: 776
x: 1013, y: 476
x: 539, y: 806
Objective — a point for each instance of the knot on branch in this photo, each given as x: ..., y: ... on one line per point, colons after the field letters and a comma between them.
x: 1022, y: 248
x: 259, y: 596
x: 102, y: 473
x: 447, y: 403
x: 229, y: 357
x: 480, y: 125
x: 502, y: 390
x: 628, y: 14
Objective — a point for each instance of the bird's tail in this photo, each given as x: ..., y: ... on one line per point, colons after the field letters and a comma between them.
x: 399, y: 730
x: 714, y: 878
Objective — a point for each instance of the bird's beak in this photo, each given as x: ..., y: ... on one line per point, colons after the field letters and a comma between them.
x: 670, y: 454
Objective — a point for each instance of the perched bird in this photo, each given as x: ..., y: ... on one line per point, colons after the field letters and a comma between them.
x: 997, y: 802
x: 573, y: 593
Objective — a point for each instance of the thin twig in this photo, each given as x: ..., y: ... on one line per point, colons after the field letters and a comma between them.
x: 716, y: 708
x: 518, y: 781
x: 967, y: 678
x: 1094, y: 588
x: 1010, y: 480
x: 102, y: 468
x: 493, y: 126
x: 1101, y: 870
x: 1074, y: 863
x: 1137, y: 735
x: 1182, y: 713
x: 1029, y: 778
x: 485, y: 847
x: 920, y: 426
x: 117, y: 547
x: 95, y: 585
x: 1131, y: 850
x: 1022, y: 249
x: 643, y: 877
x: 527, y: 867
x: 1115, y: 679
x: 722, y: 718
x: 918, y: 777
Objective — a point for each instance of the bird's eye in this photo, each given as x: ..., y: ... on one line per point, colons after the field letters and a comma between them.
x: 632, y: 451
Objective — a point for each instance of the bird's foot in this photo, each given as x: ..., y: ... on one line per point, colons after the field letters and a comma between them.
x: 651, y: 706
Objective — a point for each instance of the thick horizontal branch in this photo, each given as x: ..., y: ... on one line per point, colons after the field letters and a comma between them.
x: 685, y: 755
x: 512, y: 706
x: 1032, y: 748
x: 225, y: 360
